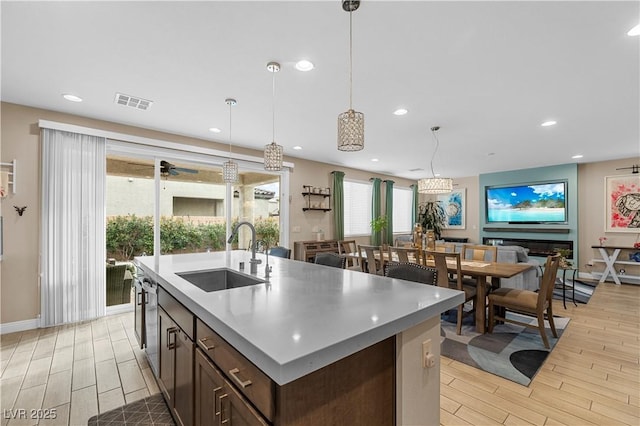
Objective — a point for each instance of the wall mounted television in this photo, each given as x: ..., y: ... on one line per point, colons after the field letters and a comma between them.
x: 529, y: 203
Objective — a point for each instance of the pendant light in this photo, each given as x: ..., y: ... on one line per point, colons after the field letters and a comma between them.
x: 273, y: 151
x: 435, y: 185
x: 230, y: 167
x: 350, y: 123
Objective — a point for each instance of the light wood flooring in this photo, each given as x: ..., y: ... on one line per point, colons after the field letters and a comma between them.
x: 591, y: 377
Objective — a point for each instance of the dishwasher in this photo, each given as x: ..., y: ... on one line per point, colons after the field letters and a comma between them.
x: 150, y: 289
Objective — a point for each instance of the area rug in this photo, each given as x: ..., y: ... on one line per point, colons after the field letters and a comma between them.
x: 512, y: 351
x: 584, y: 290
x: 150, y: 411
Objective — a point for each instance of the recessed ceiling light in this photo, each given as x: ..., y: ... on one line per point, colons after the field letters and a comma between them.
x: 577, y: 156
x: 297, y: 147
x: 214, y: 130
x: 375, y: 160
x: 400, y: 111
x: 634, y: 31
x: 72, y: 98
x: 304, y: 65
x: 549, y: 123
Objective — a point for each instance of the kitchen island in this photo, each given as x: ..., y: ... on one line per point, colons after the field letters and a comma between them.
x: 307, y: 320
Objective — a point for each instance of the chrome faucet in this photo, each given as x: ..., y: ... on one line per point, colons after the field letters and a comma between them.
x: 253, y: 262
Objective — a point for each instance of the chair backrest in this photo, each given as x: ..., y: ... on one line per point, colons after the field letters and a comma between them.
x: 440, y: 259
x: 331, y: 259
x: 347, y: 246
x: 446, y: 247
x: 480, y: 252
x: 548, y: 280
x: 371, y: 253
x: 411, y: 272
x: 115, y: 273
x: 404, y: 254
x: 279, y: 251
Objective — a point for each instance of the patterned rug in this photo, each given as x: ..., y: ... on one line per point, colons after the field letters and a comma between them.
x: 149, y: 411
x: 511, y: 351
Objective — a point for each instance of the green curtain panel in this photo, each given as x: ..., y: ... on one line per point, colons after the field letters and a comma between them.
x: 414, y: 201
x: 388, y: 211
x: 338, y: 204
x: 376, y: 239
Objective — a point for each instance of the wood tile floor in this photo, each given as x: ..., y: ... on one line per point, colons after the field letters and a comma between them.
x: 72, y: 372
x: 592, y: 377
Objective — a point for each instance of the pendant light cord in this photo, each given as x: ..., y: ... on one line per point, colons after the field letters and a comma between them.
x: 273, y: 108
x: 230, y: 106
x: 433, y: 132
x: 350, y: 59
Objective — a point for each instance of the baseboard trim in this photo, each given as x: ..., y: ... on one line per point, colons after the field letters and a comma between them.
x: 12, y: 327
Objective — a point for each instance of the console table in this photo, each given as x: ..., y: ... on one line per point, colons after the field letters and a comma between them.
x: 609, y: 256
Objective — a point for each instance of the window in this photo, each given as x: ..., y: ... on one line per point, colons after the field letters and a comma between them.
x: 402, y: 204
x: 357, y: 208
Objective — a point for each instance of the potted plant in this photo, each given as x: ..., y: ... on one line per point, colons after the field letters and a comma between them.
x: 379, y: 224
x: 432, y: 217
x: 564, y: 253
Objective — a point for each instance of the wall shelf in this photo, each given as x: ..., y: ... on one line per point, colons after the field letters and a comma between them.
x: 318, y: 199
x: 10, y: 169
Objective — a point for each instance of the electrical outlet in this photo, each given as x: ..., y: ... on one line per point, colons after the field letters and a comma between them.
x: 428, y: 359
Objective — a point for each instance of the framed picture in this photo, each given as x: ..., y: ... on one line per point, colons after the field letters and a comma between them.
x: 622, y: 203
x: 454, y: 205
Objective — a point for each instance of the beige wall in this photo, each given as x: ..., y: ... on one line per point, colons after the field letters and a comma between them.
x: 19, y: 139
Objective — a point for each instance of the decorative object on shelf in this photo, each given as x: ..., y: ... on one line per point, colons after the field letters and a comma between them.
x: 635, y: 256
x: 602, y: 240
x: 20, y: 210
x: 432, y: 217
x: 564, y: 254
x: 435, y: 185
x: 7, y: 177
x: 454, y: 205
x: 622, y: 198
x: 350, y: 123
x: 636, y: 245
x: 379, y: 224
x: 230, y: 167
x: 273, y: 151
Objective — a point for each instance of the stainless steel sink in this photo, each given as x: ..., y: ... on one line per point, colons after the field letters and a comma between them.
x: 219, y: 279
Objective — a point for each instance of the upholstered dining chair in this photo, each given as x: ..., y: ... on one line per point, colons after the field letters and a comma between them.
x: 331, y: 259
x: 373, y: 261
x: 349, y: 248
x: 404, y: 254
x: 411, y: 272
x: 440, y: 259
x: 528, y: 302
x: 279, y: 251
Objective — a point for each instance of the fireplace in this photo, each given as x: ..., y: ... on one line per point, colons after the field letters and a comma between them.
x: 540, y: 248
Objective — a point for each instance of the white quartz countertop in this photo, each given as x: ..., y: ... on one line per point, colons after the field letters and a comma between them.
x: 307, y: 316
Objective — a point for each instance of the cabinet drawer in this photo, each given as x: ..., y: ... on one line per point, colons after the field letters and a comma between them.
x: 256, y: 386
x: 181, y: 315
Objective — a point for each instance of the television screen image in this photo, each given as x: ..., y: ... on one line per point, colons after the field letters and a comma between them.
x: 528, y: 203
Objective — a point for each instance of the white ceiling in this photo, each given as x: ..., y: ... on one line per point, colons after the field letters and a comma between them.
x: 487, y: 72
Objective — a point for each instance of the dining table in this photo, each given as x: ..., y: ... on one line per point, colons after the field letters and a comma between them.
x: 482, y: 271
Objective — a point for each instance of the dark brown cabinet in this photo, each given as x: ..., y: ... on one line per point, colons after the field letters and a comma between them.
x: 216, y: 400
x: 176, y: 366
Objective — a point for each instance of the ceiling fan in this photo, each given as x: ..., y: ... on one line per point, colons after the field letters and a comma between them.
x: 166, y: 169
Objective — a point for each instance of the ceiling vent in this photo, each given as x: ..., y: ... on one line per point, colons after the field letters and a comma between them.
x: 419, y: 169
x: 133, y: 102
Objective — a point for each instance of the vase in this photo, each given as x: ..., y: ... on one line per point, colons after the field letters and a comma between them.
x: 431, y: 239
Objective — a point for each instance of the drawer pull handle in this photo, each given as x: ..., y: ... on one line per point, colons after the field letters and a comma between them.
x: 222, y: 410
x: 204, y: 345
x: 215, y: 401
x: 171, y: 331
x: 233, y: 373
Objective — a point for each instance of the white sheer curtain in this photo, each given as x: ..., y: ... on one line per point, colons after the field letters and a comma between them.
x: 73, y: 227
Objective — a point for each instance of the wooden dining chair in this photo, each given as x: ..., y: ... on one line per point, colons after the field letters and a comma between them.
x: 373, y: 259
x: 349, y: 248
x: 404, y: 254
x: 411, y: 272
x: 439, y: 260
x: 528, y: 302
x: 479, y: 253
x: 446, y: 247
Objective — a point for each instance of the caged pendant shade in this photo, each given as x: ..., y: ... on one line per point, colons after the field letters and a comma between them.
x: 230, y: 167
x: 351, y: 122
x: 435, y: 185
x: 273, y: 152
